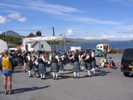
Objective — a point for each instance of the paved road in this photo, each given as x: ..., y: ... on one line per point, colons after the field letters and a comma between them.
x: 109, y: 84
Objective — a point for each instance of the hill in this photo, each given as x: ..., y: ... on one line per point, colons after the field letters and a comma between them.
x: 79, y: 40
x: 11, y: 33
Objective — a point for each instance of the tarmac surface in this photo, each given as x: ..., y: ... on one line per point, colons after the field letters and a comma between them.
x: 108, y: 84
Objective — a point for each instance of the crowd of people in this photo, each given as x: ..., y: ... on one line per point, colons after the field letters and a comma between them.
x: 38, y: 63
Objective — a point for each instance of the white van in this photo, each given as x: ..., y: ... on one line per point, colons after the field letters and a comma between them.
x: 75, y: 48
x: 12, y: 50
x: 103, y: 47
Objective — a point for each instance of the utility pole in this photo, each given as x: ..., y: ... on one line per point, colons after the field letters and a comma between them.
x: 54, y: 39
x: 60, y: 42
x: 4, y: 37
x: 65, y: 42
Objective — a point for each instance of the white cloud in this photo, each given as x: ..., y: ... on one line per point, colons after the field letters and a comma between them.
x: 107, y: 36
x: 70, y: 32
x: 17, y: 16
x: 67, y: 13
x: 126, y: 27
x: 9, y: 5
x: 89, y: 38
x: 11, y: 16
x: 51, y: 8
x: 92, y: 20
x: 3, y: 20
x: 22, y: 19
x: 113, y: 35
x: 41, y: 5
x: 99, y: 34
x: 63, y: 12
x: 14, y: 16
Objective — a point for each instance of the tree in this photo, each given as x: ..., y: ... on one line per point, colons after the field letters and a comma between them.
x: 31, y: 35
x: 38, y: 33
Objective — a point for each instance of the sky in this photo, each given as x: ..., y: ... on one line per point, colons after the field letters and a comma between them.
x: 87, y: 19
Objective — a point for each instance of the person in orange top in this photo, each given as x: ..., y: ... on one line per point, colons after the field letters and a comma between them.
x: 6, y: 62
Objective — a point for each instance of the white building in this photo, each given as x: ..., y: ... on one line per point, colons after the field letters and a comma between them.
x: 38, y: 43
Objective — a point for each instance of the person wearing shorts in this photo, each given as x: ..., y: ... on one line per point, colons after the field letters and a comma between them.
x: 6, y: 62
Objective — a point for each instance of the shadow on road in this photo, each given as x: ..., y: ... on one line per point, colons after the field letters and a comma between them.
x: 21, y: 90
x: 102, y: 72
x: 70, y: 72
x: 98, y: 73
x: 65, y: 77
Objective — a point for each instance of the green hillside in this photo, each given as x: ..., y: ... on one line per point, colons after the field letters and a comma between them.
x: 11, y: 40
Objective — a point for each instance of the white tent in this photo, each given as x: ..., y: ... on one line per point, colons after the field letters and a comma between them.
x: 3, y: 45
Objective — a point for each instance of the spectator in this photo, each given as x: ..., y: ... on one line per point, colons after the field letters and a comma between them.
x: 111, y: 63
x: 7, y: 71
x: 102, y: 65
x: 105, y: 53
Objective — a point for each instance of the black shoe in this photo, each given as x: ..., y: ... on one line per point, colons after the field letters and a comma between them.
x: 74, y: 77
x: 56, y: 78
x: 10, y: 92
x: 77, y: 77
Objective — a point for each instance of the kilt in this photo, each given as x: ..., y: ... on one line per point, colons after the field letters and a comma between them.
x: 88, y: 66
x: 54, y: 67
x: 61, y: 66
x: 76, y: 67
x: 41, y: 68
x: 93, y: 64
x: 30, y: 65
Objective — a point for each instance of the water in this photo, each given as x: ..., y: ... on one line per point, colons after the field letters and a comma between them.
x: 121, y: 45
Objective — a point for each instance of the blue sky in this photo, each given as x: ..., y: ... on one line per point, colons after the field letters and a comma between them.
x: 88, y: 19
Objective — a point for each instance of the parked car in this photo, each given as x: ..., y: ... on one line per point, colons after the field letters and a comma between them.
x: 98, y: 52
x: 127, y: 62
